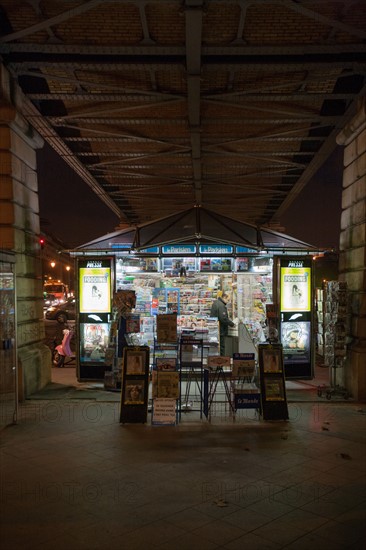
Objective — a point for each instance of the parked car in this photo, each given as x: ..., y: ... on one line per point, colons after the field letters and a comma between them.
x: 49, y: 300
x: 62, y: 312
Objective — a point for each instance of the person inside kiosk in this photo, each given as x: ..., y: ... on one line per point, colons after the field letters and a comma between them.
x: 219, y: 310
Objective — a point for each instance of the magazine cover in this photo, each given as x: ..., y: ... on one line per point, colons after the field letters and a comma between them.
x: 166, y: 364
x: 243, y: 368
x: 166, y: 328
x: 135, y: 362
x: 274, y: 389
x: 168, y: 384
x: 134, y: 392
x: 133, y: 323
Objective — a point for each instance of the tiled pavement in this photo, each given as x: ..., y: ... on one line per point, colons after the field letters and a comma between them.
x: 73, y: 477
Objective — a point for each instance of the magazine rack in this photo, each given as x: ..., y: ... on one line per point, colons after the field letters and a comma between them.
x: 214, y: 378
x: 165, y: 384
x: 191, y: 352
x: 165, y: 375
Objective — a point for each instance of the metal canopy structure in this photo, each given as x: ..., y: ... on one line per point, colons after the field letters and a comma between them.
x: 187, y: 227
x: 160, y: 106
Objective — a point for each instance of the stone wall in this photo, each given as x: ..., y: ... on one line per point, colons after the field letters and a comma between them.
x: 353, y: 247
x: 19, y: 233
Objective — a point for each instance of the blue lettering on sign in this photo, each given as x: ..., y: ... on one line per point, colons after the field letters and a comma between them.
x: 216, y: 249
x: 151, y: 250
x: 247, y: 401
x: 244, y: 249
x: 120, y: 245
x: 179, y: 249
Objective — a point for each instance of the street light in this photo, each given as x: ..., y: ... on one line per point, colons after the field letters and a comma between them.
x: 68, y: 275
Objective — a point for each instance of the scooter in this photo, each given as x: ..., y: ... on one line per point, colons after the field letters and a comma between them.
x: 63, y: 350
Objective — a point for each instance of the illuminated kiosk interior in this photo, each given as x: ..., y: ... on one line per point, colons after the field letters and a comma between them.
x: 179, y: 264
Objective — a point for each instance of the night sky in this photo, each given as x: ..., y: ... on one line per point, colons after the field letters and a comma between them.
x: 72, y: 212
x: 69, y: 209
x: 315, y: 216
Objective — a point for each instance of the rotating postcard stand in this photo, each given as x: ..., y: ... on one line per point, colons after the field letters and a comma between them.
x: 135, y: 384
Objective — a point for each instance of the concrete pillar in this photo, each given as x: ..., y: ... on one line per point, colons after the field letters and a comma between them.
x: 19, y: 233
x: 353, y: 246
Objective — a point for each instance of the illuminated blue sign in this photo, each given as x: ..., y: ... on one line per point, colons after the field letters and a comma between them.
x: 179, y: 249
x: 151, y: 250
x: 216, y: 249
x: 121, y: 246
x: 244, y: 250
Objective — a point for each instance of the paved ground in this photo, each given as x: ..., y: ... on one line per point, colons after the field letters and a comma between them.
x: 74, y: 477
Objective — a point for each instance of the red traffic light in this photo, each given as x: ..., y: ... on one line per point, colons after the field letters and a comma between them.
x: 42, y: 242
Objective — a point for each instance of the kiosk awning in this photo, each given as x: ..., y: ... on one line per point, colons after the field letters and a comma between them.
x: 196, y: 225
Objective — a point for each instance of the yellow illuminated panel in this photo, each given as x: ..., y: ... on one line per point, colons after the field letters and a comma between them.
x: 295, y: 289
x: 95, y: 289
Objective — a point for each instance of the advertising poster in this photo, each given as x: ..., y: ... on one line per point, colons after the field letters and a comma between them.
x: 94, y: 340
x: 295, y: 338
x: 272, y: 360
x: 134, y: 392
x: 164, y: 411
x: 95, y: 289
x: 274, y: 389
x: 135, y: 362
x: 295, y: 288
